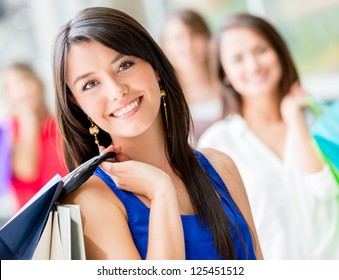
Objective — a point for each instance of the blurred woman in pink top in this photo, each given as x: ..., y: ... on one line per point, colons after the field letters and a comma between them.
x: 35, y: 155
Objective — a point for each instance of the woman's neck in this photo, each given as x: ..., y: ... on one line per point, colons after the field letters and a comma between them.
x: 43, y: 113
x: 198, y: 86
x: 193, y: 75
x: 148, y: 147
x: 263, y: 109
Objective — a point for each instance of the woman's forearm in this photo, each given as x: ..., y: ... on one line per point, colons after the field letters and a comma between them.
x: 166, y: 237
x: 309, y: 160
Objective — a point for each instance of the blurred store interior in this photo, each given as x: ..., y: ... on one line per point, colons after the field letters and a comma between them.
x: 310, y: 27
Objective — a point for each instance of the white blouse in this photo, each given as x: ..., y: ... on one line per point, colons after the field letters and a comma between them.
x: 296, y: 214
x: 204, y: 115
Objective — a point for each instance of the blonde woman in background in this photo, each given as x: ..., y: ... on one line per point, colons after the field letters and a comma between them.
x: 186, y: 42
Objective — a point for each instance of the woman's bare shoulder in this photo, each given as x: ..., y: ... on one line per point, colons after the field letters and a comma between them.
x: 219, y: 160
x: 94, y: 193
x: 227, y: 170
x: 105, y: 223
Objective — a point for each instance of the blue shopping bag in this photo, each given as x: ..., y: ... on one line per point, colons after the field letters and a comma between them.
x: 19, y: 237
x: 325, y: 132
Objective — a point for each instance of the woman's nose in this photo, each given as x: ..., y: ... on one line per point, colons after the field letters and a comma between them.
x: 118, y: 98
x: 116, y: 91
x: 252, y: 63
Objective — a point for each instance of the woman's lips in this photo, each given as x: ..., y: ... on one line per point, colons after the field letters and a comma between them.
x: 127, y: 110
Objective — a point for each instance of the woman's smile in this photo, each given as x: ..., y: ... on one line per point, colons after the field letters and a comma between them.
x: 128, y: 110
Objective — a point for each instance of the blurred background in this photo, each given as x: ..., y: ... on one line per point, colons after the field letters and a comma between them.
x: 310, y: 27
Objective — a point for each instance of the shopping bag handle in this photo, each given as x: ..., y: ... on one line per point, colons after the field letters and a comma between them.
x: 316, y: 107
x: 81, y: 174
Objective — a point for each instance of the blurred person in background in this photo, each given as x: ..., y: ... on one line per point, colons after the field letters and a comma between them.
x: 36, y: 157
x: 186, y: 42
x: 293, y: 195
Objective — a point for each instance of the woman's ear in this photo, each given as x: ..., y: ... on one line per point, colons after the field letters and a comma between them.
x: 158, y: 76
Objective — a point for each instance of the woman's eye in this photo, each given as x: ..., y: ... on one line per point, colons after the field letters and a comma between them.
x: 236, y: 59
x: 89, y: 85
x: 125, y: 65
x: 260, y: 49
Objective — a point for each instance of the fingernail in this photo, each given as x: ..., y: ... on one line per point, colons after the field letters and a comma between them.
x: 101, y: 149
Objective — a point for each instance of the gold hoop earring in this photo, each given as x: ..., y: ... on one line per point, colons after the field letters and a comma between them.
x: 163, y: 95
x: 94, y: 130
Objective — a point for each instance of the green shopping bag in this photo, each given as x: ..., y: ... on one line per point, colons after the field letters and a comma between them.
x: 325, y: 133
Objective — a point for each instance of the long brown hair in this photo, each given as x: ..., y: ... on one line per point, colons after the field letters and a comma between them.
x: 193, y: 20
x: 269, y: 33
x: 122, y: 33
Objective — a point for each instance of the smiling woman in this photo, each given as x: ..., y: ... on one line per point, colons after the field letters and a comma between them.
x: 160, y: 199
x: 118, y: 84
x: 267, y: 136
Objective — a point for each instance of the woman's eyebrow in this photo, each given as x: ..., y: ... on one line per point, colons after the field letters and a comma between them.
x: 81, y: 77
x: 115, y: 59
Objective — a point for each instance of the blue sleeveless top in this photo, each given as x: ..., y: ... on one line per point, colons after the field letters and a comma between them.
x: 199, y: 244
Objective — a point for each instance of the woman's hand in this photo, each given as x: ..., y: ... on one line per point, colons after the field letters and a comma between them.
x: 137, y: 177
x: 293, y: 103
x: 291, y: 110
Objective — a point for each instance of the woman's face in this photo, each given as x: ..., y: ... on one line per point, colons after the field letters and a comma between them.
x: 250, y: 63
x: 22, y: 91
x: 184, y: 47
x: 119, y: 93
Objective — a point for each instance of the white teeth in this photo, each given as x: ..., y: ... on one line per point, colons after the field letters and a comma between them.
x: 127, y: 109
